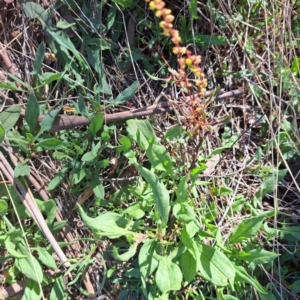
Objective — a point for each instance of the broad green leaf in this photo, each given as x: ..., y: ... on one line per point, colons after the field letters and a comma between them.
x: 268, y: 186
x: 10, y: 86
x: 10, y: 116
x: 127, y: 255
x: 246, y: 229
x: 168, y: 276
x: 215, y: 266
x: 126, y: 94
x: 257, y: 256
x: 29, y: 266
x: 58, y: 290
x: 135, y: 210
x: 51, y: 144
x: 57, y: 179
x: 161, y: 194
x: 184, y: 212
x: 32, y: 291
x: 242, y: 276
x: 10, y: 247
x: 293, y: 230
x: 141, y: 132
x: 125, y: 144
x: 107, y: 224
x: 34, y: 10
x: 47, y: 122
x: 46, y: 258
x: 32, y: 112
x: 188, y: 266
x: 98, y: 188
x: 222, y: 191
x: 191, y: 246
x: 3, y: 207
x: 296, y: 65
x: 21, y: 170
x: 89, y: 156
x: 159, y: 158
x: 174, y: 132
x: 38, y: 60
x: 147, y: 262
x: 65, y: 25
x: 2, y: 133
x: 96, y: 124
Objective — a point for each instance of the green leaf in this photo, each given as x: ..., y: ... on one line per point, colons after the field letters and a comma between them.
x: 3, y: 207
x: 10, y: 116
x: 125, y: 144
x: 296, y: 65
x: 34, y: 10
x: 127, y: 255
x: 93, y: 57
x: 161, y: 195
x: 2, y: 133
x: 268, y: 186
x: 32, y: 291
x: 184, y: 212
x: 141, y: 132
x: 49, y: 207
x: 193, y: 9
x: 173, y: 133
x: 46, y: 258
x: 124, y: 3
x: 257, y: 256
x: 293, y: 230
x: 126, y: 94
x: 222, y: 191
x: 47, y: 122
x: 32, y: 112
x: 107, y: 224
x: 51, y: 144
x: 10, y: 247
x: 202, y: 40
x: 215, y: 266
x: 10, y: 86
x: 147, y: 262
x: 242, y: 276
x: 96, y: 124
x: 48, y: 77
x: 21, y: 170
x: 65, y: 25
x: 159, y: 158
x: 246, y: 229
x: 98, y: 188
x: 168, y: 276
x: 182, y: 191
x: 188, y: 266
x: 38, y: 60
x: 58, y: 290
x: 29, y: 266
x: 111, y: 15
x: 57, y: 179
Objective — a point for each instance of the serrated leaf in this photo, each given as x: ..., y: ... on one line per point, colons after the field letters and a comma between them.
x: 246, y: 229
x: 32, y: 112
x: 161, y: 195
x: 10, y: 116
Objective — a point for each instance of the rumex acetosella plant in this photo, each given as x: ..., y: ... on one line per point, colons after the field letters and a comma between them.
x: 187, y: 63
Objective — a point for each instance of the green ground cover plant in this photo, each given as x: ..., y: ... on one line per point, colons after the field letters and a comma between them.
x: 199, y: 200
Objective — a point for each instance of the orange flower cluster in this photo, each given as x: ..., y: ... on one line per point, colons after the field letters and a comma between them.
x: 185, y: 57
